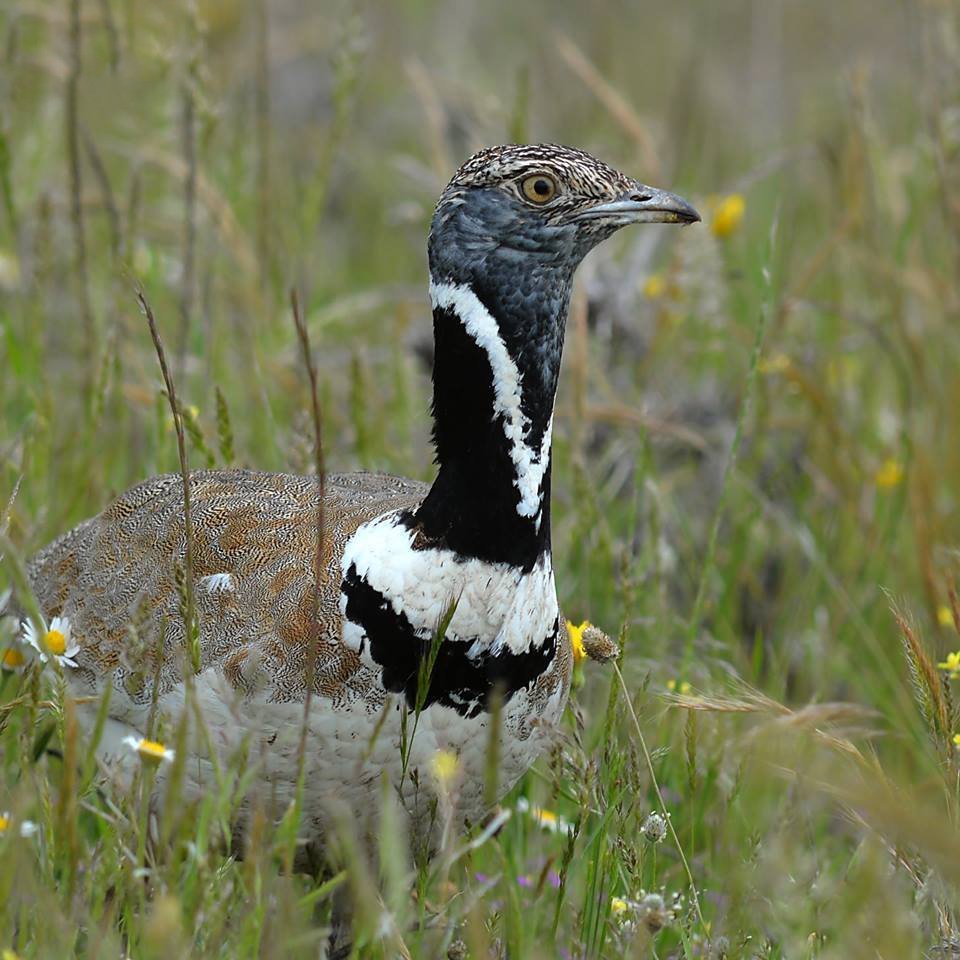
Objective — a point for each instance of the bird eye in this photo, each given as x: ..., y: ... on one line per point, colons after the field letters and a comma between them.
x: 539, y: 188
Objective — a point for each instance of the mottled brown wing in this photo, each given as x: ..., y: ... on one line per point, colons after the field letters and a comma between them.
x: 116, y: 575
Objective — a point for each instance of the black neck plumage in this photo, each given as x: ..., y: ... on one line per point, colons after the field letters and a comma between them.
x: 494, y: 380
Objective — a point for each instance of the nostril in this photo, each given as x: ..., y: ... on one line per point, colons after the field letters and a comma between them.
x: 641, y: 197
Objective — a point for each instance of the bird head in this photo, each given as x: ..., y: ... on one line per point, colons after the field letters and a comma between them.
x: 538, y: 206
x: 510, y: 229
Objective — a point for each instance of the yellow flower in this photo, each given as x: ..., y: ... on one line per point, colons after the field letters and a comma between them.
x: 889, y: 474
x: 150, y: 751
x: 445, y: 765
x: 728, y: 215
x: 576, y: 641
x: 956, y: 740
x: 9, y: 955
x: 951, y: 665
x: 655, y: 286
x: 944, y: 615
x: 682, y: 687
x: 619, y: 906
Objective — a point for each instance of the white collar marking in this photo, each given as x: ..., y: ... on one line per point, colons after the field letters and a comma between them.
x: 498, y: 605
x: 529, y: 465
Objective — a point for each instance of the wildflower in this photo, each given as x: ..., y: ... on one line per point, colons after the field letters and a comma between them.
x: 655, y: 286
x: 13, y: 659
x: 549, y: 820
x: 956, y: 740
x: 654, y: 912
x: 27, y: 827
x: 618, y: 906
x: 8, y: 955
x: 654, y: 828
x: 682, y: 687
x: 889, y: 474
x: 445, y: 765
x: 728, y: 215
x: 52, y: 641
x: 951, y: 665
x: 944, y: 615
x: 150, y: 751
x: 545, y: 818
x: 576, y: 641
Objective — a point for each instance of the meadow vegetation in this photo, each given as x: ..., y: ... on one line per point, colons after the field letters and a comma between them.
x: 757, y: 452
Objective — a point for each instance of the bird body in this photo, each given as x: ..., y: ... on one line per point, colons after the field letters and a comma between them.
x: 112, y: 576
x: 431, y: 614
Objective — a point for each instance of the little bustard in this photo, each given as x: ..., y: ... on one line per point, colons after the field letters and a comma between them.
x: 398, y: 556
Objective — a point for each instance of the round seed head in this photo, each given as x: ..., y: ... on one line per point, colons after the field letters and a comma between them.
x: 598, y: 646
x: 653, y: 912
x: 654, y: 828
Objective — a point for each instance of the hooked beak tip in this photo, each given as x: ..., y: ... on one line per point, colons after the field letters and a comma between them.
x: 663, y: 207
x: 645, y: 204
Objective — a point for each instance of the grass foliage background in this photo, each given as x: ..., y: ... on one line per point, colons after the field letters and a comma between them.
x: 220, y: 153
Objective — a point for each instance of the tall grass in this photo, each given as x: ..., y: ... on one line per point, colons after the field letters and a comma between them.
x: 737, y: 510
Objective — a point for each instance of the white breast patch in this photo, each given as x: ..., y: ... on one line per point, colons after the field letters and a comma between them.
x: 498, y: 605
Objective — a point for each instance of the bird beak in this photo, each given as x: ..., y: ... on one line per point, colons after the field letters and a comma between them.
x: 643, y: 204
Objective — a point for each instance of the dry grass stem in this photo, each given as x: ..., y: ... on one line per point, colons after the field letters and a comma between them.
x: 190, y: 616
x: 303, y: 337
x: 613, y: 102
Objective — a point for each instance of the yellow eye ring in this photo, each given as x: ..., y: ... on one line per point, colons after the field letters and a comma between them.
x: 539, y: 188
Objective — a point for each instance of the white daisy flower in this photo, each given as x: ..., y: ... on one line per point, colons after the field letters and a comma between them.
x: 547, y: 819
x: 27, y: 827
x: 52, y: 642
x: 13, y: 658
x: 150, y: 751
